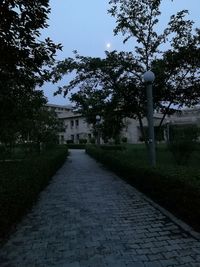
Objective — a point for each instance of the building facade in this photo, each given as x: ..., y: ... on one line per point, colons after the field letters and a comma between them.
x: 76, y: 129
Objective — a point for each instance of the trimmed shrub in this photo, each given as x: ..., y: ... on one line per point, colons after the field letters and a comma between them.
x: 82, y: 141
x: 175, y: 188
x: 22, y: 181
x: 3, y: 152
x: 92, y: 140
x: 70, y: 141
x: 112, y: 147
x: 76, y: 146
x: 183, y: 141
x: 124, y: 139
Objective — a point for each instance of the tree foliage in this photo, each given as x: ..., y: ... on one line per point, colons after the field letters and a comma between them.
x: 177, y: 67
x: 106, y: 88
x: 117, y: 78
x: 44, y: 128
x: 24, y: 60
x: 138, y: 19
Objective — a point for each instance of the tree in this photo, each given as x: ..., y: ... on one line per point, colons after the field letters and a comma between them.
x: 18, y: 121
x: 45, y: 128
x: 100, y: 82
x: 119, y: 74
x: 178, y: 79
x: 177, y: 69
x: 24, y: 61
x: 137, y: 19
x: 91, y: 102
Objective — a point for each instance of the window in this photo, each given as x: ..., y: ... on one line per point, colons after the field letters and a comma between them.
x: 72, y: 123
x: 77, y: 123
x: 72, y: 137
x: 77, y: 136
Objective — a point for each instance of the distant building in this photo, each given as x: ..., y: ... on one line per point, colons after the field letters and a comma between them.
x: 76, y: 127
x: 186, y: 117
x: 59, y: 109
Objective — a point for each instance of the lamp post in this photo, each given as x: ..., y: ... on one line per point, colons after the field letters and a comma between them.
x: 149, y: 77
x: 98, y: 119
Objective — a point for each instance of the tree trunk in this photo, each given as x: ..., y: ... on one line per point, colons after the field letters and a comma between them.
x: 142, y: 130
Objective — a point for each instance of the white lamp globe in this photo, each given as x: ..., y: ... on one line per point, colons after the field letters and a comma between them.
x: 149, y: 76
x: 98, y: 118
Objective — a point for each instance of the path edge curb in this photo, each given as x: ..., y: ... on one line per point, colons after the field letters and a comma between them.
x: 167, y: 213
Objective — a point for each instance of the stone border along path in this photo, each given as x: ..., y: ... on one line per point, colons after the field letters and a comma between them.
x: 88, y: 217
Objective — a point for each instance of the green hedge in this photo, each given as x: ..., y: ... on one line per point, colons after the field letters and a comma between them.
x: 76, y: 146
x: 112, y: 147
x: 22, y: 181
x: 104, y: 147
x: 177, y: 189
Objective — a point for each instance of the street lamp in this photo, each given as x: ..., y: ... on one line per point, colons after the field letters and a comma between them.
x: 149, y: 77
x: 98, y: 119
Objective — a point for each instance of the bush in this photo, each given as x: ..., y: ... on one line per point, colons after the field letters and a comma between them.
x: 175, y: 188
x: 182, y: 143
x: 117, y: 140
x: 182, y: 151
x: 82, y: 141
x: 124, y: 139
x: 76, y: 146
x: 112, y: 147
x: 92, y: 140
x: 3, y: 152
x: 70, y: 141
x: 22, y: 181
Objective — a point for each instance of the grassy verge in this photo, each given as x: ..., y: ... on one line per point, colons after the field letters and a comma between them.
x: 175, y: 188
x: 21, y: 183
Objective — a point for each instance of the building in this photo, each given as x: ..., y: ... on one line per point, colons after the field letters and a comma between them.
x: 76, y: 129
x: 186, y: 117
x: 59, y: 109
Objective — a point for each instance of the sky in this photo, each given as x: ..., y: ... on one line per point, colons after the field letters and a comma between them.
x: 85, y: 26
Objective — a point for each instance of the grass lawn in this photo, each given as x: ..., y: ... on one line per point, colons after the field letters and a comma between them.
x: 177, y: 188
x: 163, y: 156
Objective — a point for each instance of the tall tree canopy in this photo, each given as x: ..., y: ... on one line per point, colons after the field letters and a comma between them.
x: 119, y: 74
x: 177, y: 67
x: 24, y: 60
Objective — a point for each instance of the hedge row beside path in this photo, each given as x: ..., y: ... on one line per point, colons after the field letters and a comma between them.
x: 177, y: 189
x: 22, y: 181
x: 76, y: 146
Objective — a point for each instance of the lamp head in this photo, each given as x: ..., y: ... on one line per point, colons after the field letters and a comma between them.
x: 98, y: 118
x: 149, y: 76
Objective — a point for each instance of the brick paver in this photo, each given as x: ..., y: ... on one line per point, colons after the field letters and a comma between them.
x: 88, y: 217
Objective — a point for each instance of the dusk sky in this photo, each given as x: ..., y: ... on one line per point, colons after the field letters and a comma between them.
x: 86, y: 27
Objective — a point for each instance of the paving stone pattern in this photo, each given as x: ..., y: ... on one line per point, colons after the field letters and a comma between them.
x: 88, y: 217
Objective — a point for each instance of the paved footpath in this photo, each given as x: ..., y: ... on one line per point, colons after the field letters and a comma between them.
x: 88, y: 217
